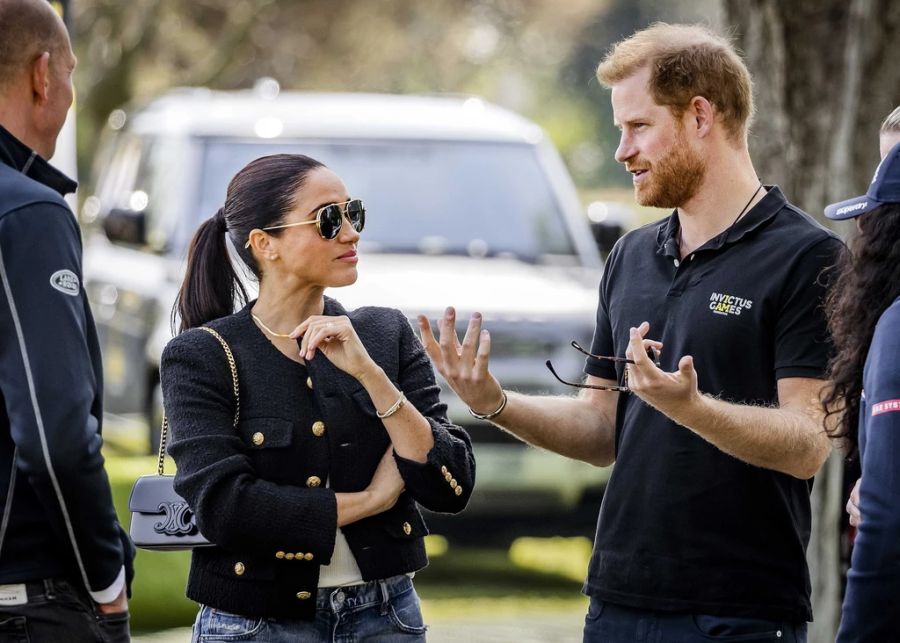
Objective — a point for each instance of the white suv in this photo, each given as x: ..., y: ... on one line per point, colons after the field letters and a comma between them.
x: 468, y: 205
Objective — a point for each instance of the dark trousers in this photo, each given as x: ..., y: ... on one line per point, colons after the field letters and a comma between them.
x: 610, y: 623
x: 59, y: 611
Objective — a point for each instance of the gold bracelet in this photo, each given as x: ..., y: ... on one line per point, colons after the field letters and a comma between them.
x: 488, y: 416
x: 400, y: 402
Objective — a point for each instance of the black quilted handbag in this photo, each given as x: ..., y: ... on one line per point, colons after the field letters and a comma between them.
x: 161, y: 520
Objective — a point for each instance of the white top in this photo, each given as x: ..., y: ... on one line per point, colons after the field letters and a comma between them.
x: 343, y: 569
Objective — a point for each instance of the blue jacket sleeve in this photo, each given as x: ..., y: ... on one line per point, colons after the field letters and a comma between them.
x: 872, y: 603
x: 444, y: 482
x: 50, y: 387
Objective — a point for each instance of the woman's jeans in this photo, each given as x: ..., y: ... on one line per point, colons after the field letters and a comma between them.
x: 611, y: 623
x: 54, y: 609
x: 381, y: 611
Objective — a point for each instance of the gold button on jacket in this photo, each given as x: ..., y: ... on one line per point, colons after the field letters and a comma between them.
x: 458, y: 491
x: 289, y: 556
x: 318, y: 429
x: 309, y: 382
x: 313, y: 481
x: 279, y: 554
x: 258, y: 438
x: 239, y: 569
x: 303, y: 595
x: 407, y: 528
x: 307, y: 556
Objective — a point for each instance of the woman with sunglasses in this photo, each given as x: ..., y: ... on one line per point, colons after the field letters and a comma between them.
x: 863, y: 399
x: 311, y: 500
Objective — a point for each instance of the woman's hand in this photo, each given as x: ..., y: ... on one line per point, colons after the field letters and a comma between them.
x: 853, y: 505
x: 464, y: 366
x: 386, y: 485
x: 335, y: 338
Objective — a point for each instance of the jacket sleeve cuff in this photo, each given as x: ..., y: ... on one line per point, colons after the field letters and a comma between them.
x: 112, y: 592
x: 444, y: 481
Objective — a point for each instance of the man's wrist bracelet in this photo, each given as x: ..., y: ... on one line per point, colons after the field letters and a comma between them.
x: 488, y: 416
x: 396, y: 407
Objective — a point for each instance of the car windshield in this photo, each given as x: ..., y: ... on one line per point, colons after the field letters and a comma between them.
x: 434, y: 197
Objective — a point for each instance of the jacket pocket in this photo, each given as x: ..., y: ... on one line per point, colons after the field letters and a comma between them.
x: 266, y: 433
x: 405, y: 524
x: 239, y: 567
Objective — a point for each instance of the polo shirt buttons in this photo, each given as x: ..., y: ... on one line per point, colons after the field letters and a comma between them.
x: 303, y: 595
x: 239, y: 568
x: 258, y: 438
x: 407, y: 528
x: 313, y: 481
x: 318, y: 428
x: 309, y: 382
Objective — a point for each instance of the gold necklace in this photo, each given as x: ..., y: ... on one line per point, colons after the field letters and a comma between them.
x: 269, y: 330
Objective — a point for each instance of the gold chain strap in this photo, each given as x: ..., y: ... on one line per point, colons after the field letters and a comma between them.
x: 237, y: 399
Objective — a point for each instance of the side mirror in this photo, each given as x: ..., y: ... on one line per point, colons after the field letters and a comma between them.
x: 606, y: 233
x: 123, y: 225
x: 608, y: 222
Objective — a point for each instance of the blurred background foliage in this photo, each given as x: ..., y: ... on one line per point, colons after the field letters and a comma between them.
x: 536, y: 57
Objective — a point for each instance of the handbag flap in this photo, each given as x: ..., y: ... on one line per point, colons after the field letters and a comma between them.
x: 150, y: 491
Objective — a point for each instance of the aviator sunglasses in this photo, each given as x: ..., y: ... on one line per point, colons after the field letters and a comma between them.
x: 330, y: 218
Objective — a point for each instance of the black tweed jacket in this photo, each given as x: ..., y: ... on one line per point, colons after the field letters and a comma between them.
x: 259, y: 492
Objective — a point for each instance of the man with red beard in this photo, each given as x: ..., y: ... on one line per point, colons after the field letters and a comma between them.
x: 707, y: 360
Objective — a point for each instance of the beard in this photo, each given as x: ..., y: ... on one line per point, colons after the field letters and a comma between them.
x: 674, y: 179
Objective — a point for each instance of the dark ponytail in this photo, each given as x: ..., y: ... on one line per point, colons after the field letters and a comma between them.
x: 260, y: 195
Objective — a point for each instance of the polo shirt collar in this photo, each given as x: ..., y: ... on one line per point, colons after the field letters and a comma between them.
x: 759, y: 215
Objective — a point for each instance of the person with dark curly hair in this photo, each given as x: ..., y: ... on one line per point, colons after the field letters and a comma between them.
x: 888, y: 136
x: 862, y: 403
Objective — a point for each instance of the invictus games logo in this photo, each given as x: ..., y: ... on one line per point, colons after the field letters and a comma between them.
x: 66, y: 282
x: 722, y: 304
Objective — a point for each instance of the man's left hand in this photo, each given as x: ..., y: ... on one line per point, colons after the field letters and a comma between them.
x: 670, y: 393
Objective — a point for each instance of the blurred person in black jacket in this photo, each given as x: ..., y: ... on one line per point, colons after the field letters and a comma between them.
x: 311, y: 499
x: 65, y: 562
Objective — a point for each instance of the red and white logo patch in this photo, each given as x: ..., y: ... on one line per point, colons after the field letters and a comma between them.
x: 885, y: 407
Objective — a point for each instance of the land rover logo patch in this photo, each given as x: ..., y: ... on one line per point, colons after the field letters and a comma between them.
x: 65, y: 281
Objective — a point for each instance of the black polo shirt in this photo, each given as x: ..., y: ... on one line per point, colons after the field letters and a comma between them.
x: 684, y: 526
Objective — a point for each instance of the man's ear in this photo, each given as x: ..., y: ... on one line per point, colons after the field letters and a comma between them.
x: 702, y: 116
x: 40, y: 78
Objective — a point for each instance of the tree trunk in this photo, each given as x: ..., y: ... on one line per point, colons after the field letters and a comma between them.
x: 825, y: 74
